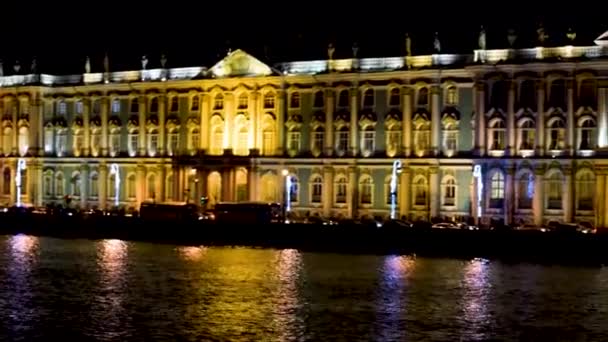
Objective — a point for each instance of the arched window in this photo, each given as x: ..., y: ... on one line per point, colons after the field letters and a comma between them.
x: 557, y: 95
x: 269, y: 101
x: 6, y: 181
x: 294, y: 192
x: 241, y: 142
x: 387, y: 190
x: 151, y: 189
x: 62, y: 108
x: 342, y: 141
x: 94, y: 185
x: 195, y: 139
x: 394, y: 98
x: 319, y: 101
x: 61, y: 142
x: 59, y: 185
x: 557, y: 134
x: 152, y: 142
x: 218, y: 102
x: 368, y: 98
x: 423, y: 97
x: 340, y: 191
x: 343, y: 98
x: 76, y: 185
x: 243, y: 101
x: 131, y: 193
x: 525, y: 190
x: 215, y: 188
x: 7, y: 141
x: 451, y: 96
x: 23, y: 140
x: 497, y: 190
x: 115, y: 106
x: 449, y: 192
x: 420, y: 191
x: 195, y: 103
x: 422, y: 136
x: 365, y: 190
x: 587, y: 134
x: 268, y: 134
x: 48, y: 184
x: 134, y: 105
x: 133, y: 142
x: 554, y: 191
x: 173, y: 142
x: 79, y: 107
x: 318, y: 136
x: 294, y: 100
x: 393, y: 140
x: 497, y: 135
x: 78, y: 143
x: 111, y: 190
x: 317, y: 189
x: 169, y: 187
x: 154, y: 105
x: 293, y: 140
x: 174, y: 107
x: 114, y: 141
x: 95, y: 141
x: 241, y: 185
x: 269, y: 187
x: 585, y: 190
x: 527, y: 134
x: 368, y: 141
x: 527, y: 95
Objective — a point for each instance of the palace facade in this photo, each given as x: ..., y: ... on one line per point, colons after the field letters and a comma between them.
x: 519, y: 135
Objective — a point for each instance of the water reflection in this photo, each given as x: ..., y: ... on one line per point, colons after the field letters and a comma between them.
x: 286, y: 297
x: 111, y: 261
x: 391, y: 298
x: 190, y: 253
x: 476, y: 290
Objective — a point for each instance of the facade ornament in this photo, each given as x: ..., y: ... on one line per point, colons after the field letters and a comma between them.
x: 541, y: 35
x: 144, y: 62
x: 408, y: 45
x: 437, y: 43
x: 106, y: 63
x: 1, y: 68
x: 355, y: 49
x: 511, y: 37
x: 482, y: 39
x: 17, y: 67
x: 330, y: 51
x: 571, y: 35
x: 34, y: 66
x: 87, y: 65
x: 163, y: 61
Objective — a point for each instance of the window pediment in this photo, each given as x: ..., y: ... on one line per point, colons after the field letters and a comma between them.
x: 192, y: 122
x: 77, y: 123
x: 23, y: 122
x: 294, y: 121
x: 133, y: 122
x: 96, y: 121
x: 367, y: 118
x: 114, y: 122
x: 173, y: 122
x: 60, y: 123
x: 341, y: 118
x: 152, y: 121
x: 318, y: 119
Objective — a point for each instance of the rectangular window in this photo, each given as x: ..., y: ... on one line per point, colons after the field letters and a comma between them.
x: 342, y: 141
x: 294, y: 141
x: 318, y: 140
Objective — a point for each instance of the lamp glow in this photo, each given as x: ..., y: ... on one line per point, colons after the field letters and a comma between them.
x: 114, y: 170
x: 477, y: 175
x: 20, y: 167
x: 393, y: 185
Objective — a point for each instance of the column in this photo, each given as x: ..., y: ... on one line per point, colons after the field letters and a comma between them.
x: 162, y: 110
x: 162, y: 184
x: 568, y: 199
x: 404, y: 194
x: 84, y: 177
x: 143, y: 105
x: 35, y: 117
x: 13, y: 191
x: 204, y: 129
x: 256, y: 122
x: 39, y: 112
x: 177, y: 188
x: 474, y: 199
x: 353, y: 193
x: 570, y: 124
x: 406, y: 133
x: 229, y: 110
x: 480, y: 112
x: 86, y: 125
x: 330, y: 105
x: 253, y: 179
x: 540, y: 118
x: 602, y: 110
x: 102, y: 186
x: 434, y: 191
x: 104, y: 126
x: 227, y: 184
x: 511, y: 119
x: 203, y: 176
x: 539, y: 197
x: 435, y: 120
x: 328, y: 190
x: 15, y: 117
x: 280, y: 122
x: 140, y: 189
x: 354, y: 113
x: 600, y: 199
x: 509, y: 198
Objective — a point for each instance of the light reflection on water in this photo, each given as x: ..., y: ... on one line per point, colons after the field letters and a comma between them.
x: 112, y: 290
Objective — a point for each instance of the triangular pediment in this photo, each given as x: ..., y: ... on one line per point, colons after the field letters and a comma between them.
x: 240, y: 63
x: 602, y: 40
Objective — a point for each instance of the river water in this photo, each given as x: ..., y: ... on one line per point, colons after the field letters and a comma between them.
x: 110, y: 290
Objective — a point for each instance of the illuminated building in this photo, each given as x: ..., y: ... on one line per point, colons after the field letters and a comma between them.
x: 337, y: 125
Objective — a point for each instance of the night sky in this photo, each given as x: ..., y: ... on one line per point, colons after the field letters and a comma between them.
x: 198, y: 33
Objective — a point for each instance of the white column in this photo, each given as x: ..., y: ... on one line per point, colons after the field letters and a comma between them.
x: 570, y: 124
x: 435, y: 120
x: 102, y: 186
x: 602, y: 109
x: 354, y: 116
x: 105, y: 108
x: 204, y: 129
x: 143, y: 104
x: 280, y: 122
x: 406, y: 102
x: 329, y: 121
x: 511, y: 119
x: 162, y: 110
x: 540, y: 118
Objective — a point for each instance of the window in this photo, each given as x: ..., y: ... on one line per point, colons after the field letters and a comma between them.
x: 195, y: 138
x: 269, y: 101
x: 449, y: 192
x: 497, y: 190
x: 557, y: 95
x: 365, y: 190
x: 293, y: 141
x: 294, y: 100
x: 95, y: 142
x: 587, y: 97
x: 151, y: 187
x: 174, y: 107
x: 450, y: 139
x: 368, y: 137
x: 133, y: 142
x: 423, y: 97
x: 527, y: 135
x: 6, y: 184
x: 152, y: 143
x: 499, y: 95
x: 217, y: 146
x: 134, y: 105
x: 525, y: 191
x: 268, y: 141
x: 23, y: 140
x: 343, y: 98
x: 48, y: 184
x: 585, y: 189
x: 317, y: 189
x: 451, y: 96
x: 7, y: 141
x: 242, y: 143
x: 169, y: 188
x: 387, y: 191
x: 420, y: 192
x: 60, y: 143
x: 341, y: 185
x: 294, y: 192
x: 76, y: 184
x: 111, y: 191
x: 195, y: 103
x: 154, y: 105
x: 62, y: 108
x: 131, y: 193
x: 342, y: 141
x: 557, y: 134
x: 114, y: 142
x: 59, y: 185
x: 393, y: 141
x: 243, y: 101
x: 48, y: 140
x: 497, y: 135
x: 79, y: 107
x: 173, y: 145
x: 115, y: 106
x: 319, y: 101
x: 94, y: 186
x: 554, y: 191
x: 422, y: 137
x: 527, y: 95
x: 78, y: 142
x: 587, y: 134
x: 96, y: 107
x: 395, y: 97
x: 318, y: 136
x: 218, y: 102
x: 368, y: 98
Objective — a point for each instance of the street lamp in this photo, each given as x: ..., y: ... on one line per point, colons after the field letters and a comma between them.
x: 20, y: 167
x: 478, y: 177
x: 286, y: 194
x: 393, y: 185
x: 114, y: 170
